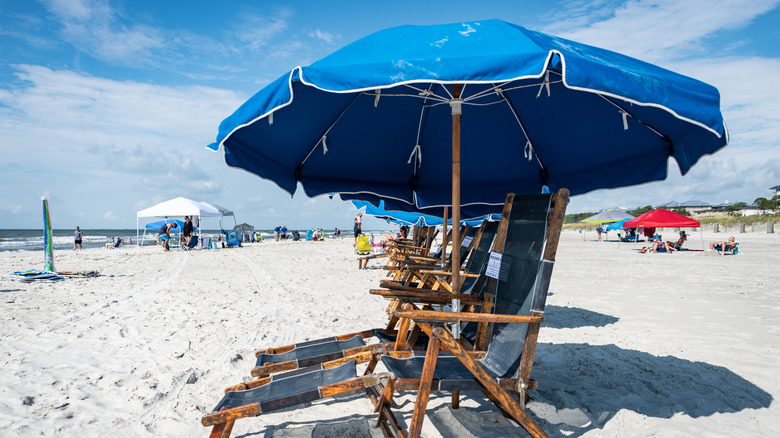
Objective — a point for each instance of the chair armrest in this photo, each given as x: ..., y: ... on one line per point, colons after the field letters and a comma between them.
x: 435, y: 297
x: 435, y: 316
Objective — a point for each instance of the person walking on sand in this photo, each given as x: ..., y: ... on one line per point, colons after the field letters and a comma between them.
x: 358, y: 228
x: 337, y: 233
x: 165, y: 234
x: 77, y: 236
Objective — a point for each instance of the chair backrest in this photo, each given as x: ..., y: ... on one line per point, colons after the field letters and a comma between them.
x: 193, y: 242
x: 519, y: 269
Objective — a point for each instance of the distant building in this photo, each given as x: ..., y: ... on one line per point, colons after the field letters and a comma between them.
x: 776, y: 189
x: 692, y: 207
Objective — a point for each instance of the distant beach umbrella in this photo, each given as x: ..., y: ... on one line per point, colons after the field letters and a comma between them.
x: 607, y: 216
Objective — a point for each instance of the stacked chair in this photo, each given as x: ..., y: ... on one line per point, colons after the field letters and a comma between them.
x: 499, y: 319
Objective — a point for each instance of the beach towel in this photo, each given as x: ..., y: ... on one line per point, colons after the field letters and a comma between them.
x: 88, y: 273
x: 35, y: 275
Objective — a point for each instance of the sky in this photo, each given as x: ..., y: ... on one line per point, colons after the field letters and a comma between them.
x: 106, y: 106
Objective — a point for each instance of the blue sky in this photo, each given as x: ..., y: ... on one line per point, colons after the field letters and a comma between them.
x: 107, y: 106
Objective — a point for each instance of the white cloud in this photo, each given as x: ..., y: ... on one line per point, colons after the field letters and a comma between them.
x: 256, y: 31
x: 656, y: 30
x: 95, y: 138
x: 110, y: 216
x: 93, y: 27
x: 323, y: 35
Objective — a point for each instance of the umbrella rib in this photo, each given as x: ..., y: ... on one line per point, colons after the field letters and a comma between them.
x: 300, y: 165
x: 650, y: 127
x: 417, y: 145
x: 522, y: 127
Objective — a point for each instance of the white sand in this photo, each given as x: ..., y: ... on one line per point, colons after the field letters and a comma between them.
x: 633, y: 345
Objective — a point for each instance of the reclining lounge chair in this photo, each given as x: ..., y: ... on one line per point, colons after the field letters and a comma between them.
x: 508, y: 359
x: 508, y: 326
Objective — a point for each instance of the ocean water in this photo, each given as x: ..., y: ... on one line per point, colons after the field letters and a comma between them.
x: 32, y: 240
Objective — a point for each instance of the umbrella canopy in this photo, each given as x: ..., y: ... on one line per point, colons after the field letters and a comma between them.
x: 525, y: 111
x: 607, y: 216
x: 374, y: 119
x: 661, y: 218
x: 180, y: 207
x: 619, y: 225
x: 244, y: 227
x: 157, y: 225
x: 409, y: 218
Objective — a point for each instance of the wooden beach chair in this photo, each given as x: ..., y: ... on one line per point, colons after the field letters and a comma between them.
x: 421, y: 245
x: 509, y: 324
x: 339, y: 376
x: 353, y: 345
x: 411, y: 266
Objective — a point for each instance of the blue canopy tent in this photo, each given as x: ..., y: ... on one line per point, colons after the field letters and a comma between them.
x: 154, y: 226
x: 617, y: 225
x: 522, y: 110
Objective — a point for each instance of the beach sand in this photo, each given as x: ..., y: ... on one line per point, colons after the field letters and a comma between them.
x: 633, y: 344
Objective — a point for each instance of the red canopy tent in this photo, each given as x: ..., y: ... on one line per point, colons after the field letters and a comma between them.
x: 663, y: 218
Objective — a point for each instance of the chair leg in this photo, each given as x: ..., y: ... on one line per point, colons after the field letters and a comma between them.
x: 498, y: 395
x: 455, y: 399
x: 420, y: 405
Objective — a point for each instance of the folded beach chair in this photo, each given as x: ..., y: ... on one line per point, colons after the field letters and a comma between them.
x: 519, y: 275
x: 339, y: 376
x: 191, y: 244
x: 231, y: 238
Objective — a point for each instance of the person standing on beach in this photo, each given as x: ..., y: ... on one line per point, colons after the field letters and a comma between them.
x: 277, y: 231
x: 77, y: 236
x: 284, y: 232
x: 186, y: 231
x: 358, y: 228
x: 337, y: 233
x: 165, y: 234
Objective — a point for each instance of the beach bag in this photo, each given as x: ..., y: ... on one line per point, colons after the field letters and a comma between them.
x: 363, y: 245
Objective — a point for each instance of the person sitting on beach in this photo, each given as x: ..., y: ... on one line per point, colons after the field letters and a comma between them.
x: 724, y: 247
x: 114, y: 243
x: 678, y: 245
x: 388, y: 239
x: 658, y: 244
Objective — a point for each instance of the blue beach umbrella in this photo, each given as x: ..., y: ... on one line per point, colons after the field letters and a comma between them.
x: 515, y: 110
x: 374, y: 119
x: 410, y: 218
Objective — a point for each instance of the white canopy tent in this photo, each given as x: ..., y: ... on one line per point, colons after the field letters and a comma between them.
x: 223, y: 210
x: 180, y: 207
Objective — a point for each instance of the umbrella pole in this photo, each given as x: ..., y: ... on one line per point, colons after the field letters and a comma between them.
x: 456, y: 115
x: 444, y: 238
